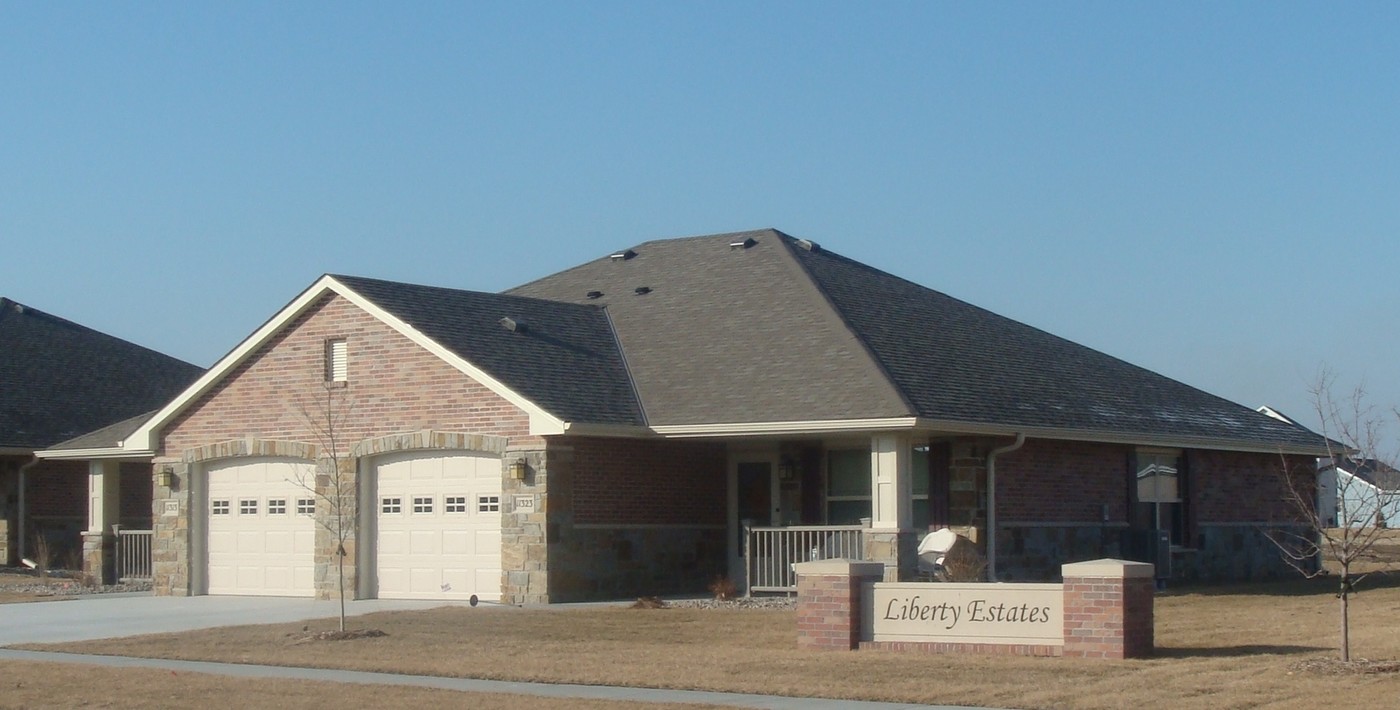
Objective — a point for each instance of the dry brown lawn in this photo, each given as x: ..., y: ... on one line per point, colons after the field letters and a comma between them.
x: 1226, y: 647
x: 49, y: 685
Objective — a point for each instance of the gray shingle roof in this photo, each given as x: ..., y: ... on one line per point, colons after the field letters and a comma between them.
x: 59, y: 379
x: 776, y: 332
x: 728, y: 334
x: 108, y: 437
x: 566, y: 360
x: 957, y: 362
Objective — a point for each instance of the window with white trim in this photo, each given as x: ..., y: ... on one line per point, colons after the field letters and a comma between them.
x: 488, y: 504
x: 391, y: 505
x: 248, y: 506
x: 337, y: 361
x: 454, y: 504
x: 219, y: 507
x: 276, y: 506
x: 306, y: 506
x: 423, y: 505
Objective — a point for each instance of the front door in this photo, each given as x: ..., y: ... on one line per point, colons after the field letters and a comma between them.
x: 756, y: 505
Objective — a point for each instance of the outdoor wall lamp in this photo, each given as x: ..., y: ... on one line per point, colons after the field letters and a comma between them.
x: 165, y: 478
x: 518, y: 469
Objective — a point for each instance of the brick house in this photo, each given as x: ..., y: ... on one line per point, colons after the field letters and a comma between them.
x: 59, y: 380
x: 633, y: 425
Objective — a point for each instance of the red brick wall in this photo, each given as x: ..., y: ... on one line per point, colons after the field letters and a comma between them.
x: 57, y: 488
x: 136, y: 493
x: 1062, y: 481
x: 1233, y: 487
x: 394, y: 386
x: 626, y: 481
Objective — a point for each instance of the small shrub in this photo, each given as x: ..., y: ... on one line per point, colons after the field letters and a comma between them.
x: 964, y: 563
x: 724, y: 588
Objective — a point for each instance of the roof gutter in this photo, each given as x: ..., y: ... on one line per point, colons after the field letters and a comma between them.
x: 992, y: 502
x: 116, y: 452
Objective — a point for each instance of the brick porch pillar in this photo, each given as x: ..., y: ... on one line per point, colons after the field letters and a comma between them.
x: 1108, y: 609
x: 829, y: 602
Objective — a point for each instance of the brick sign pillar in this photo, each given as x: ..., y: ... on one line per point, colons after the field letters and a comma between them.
x: 1108, y: 609
x: 829, y: 602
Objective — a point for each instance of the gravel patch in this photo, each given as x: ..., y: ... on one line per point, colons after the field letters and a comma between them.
x: 778, y: 603
x: 60, y: 583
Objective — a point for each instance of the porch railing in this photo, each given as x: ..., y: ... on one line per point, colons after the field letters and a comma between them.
x: 133, y: 555
x: 770, y: 553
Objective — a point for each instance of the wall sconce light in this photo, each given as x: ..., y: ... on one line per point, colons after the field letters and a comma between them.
x: 518, y: 469
x: 165, y: 478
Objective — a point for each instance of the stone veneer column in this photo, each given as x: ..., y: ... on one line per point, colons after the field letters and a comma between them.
x: 524, y: 524
x: 967, y: 484
x: 170, y: 523
x: 829, y: 602
x: 1108, y: 609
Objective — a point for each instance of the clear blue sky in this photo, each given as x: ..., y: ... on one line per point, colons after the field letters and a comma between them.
x: 1209, y: 190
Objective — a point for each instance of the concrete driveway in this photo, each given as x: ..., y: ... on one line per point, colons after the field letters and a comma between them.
x: 108, y: 616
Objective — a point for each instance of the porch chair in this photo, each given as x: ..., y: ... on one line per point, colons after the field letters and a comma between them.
x: 933, y: 550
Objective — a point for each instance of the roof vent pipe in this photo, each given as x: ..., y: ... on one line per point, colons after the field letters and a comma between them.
x: 992, y: 503
x: 744, y: 244
x: 513, y: 325
x: 594, y: 295
x: 642, y: 290
x: 623, y: 255
x: 809, y: 245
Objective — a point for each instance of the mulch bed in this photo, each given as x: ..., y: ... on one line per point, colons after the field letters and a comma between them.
x: 346, y: 635
x: 1332, y: 666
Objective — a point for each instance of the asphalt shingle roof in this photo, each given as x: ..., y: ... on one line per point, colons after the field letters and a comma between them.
x: 566, y: 360
x: 727, y: 334
x: 59, y: 379
x: 773, y: 331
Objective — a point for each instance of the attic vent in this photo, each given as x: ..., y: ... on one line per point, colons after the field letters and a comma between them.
x: 809, y: 245
x: 337, y: 361
x: 513, y: 325
x: 623, y: 255
x: 594, y: 294
x: 642, y: 290
x: 744, y: 244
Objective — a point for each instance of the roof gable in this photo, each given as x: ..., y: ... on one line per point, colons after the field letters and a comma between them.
x: 59, y: 379
x: 568, y: 359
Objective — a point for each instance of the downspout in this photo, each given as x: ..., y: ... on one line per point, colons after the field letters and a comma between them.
x: 20, y: 528
x: 992, y: 503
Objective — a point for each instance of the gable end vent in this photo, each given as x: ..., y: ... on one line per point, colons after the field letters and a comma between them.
x: 513, y: 325
x: 642, y: 290
x: 623, y: 255
x: 592, y: 295
x: 744, y: 244
x: 809, y: 245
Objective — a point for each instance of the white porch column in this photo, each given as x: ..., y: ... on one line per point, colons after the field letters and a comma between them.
x: 891, y: 483
x: 104, y: 496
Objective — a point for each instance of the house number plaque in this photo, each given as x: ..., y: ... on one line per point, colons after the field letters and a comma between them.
x: 524, y: 504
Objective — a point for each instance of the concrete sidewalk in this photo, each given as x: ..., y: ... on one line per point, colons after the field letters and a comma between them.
x: 115, y: 615
x: 544, y: 690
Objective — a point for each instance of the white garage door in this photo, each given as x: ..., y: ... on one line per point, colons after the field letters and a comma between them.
x: 439, y: 526
x: 261, y: 531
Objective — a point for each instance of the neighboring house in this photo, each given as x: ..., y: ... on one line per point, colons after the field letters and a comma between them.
x: 1358, y: 493
x: 58, y: 380
x: 610, y: 430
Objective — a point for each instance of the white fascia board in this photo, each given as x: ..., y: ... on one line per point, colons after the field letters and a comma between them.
x: 684, y: 431
x: 144, y: 439
x: 1174, y: 442
x: 541, y: 422
x: 94, y: 454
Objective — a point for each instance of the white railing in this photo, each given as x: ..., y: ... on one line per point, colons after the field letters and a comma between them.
x: 133, y: 555
x: 770, y: 553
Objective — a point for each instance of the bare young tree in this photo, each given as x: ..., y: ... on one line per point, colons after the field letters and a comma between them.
x: 1341, y: 513
x: 327, y: 414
